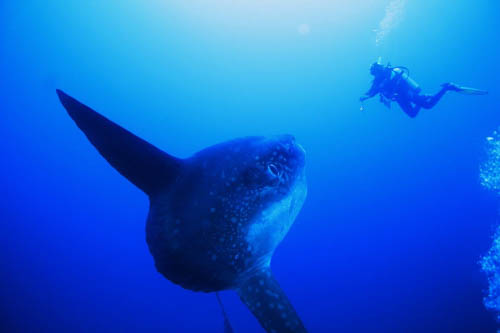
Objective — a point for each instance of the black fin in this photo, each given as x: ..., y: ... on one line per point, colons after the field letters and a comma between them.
x: 227, y: 325
x: 146, y: 166
x: 267, y: 301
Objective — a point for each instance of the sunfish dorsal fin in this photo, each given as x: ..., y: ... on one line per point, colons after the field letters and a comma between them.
x: 262, y: 294
x: 146, y: 166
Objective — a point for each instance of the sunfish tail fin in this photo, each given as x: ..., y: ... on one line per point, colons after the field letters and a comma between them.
x: 227, y: 325
x: 262, y: 294
x: 146, y: 166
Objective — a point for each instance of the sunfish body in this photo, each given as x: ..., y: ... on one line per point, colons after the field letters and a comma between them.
x: 216, y: 218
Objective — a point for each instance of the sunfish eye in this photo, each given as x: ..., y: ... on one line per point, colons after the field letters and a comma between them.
x: 274, y: 170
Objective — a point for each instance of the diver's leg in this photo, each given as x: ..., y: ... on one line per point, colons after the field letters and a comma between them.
x: 429, y: 101
x: 408, y: 108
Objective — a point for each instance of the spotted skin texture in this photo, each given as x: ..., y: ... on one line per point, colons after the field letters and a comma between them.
x: 216, y: 218
x: 264, y: 297
x: 206, y: 235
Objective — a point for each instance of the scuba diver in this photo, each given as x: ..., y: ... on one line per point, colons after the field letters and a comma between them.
x: 395, y: 84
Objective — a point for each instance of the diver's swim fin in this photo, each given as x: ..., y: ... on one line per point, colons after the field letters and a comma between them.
x: 471, y: 91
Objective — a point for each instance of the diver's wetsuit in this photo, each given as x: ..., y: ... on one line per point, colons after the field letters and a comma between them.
x: 408, y: 94
x: 394, y: 84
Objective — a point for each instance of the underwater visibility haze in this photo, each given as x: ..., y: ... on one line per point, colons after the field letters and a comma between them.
x: 399, y: 230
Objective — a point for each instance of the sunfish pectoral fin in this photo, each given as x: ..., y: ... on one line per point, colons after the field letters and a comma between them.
x: 146, y: 166
x: 264, y: 297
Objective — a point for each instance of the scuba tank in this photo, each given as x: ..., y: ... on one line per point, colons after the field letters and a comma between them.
x: 403, y: 74
x: 399, y: 79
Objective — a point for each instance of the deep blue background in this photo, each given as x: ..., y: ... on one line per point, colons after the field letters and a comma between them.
x: 395, y: 221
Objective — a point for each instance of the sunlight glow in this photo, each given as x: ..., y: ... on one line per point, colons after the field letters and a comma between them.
x: 272, y: 16
x: 304, y: 29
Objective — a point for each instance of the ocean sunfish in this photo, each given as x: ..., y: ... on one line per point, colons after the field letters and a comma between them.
x: 216, y: 218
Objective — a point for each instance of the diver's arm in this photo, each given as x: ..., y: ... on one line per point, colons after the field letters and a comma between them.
x: 370, y: 93
x: 365, y: 97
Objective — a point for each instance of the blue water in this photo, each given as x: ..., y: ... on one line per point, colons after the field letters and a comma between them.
x: 396, y: 219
